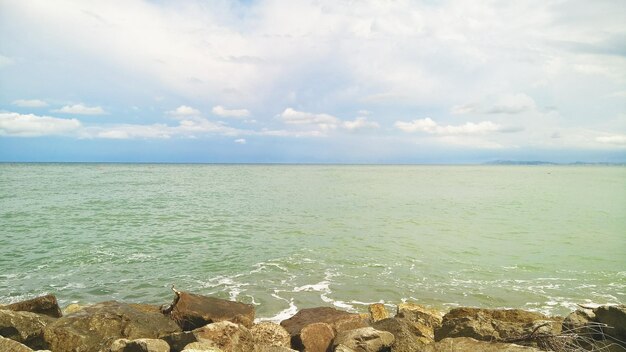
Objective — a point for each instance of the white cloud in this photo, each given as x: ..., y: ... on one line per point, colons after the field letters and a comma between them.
x: 128, y: 131
x: 429, y: 126
x: 80, y: 109
x: 183, y: 111
x: 322, y: 121
x: 14, y: 124
x: 240, y: 141
x: 30, y: 103
x: 360, y: 123
x: 512, y: 104
x: 221, y: 111
x: 619, y: 139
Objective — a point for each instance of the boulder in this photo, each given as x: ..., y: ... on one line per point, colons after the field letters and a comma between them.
x: 192, y: 311
x: 46, y: 305
x: 343, y: 348
x: 96, y: 327
x: 72, y: 308
x: 365, y: 340
x: 8, y: 345
x: 420, y: 314
x: 202, y: 347
x: 494, y: 324
x: 24, y: 327
x: 350, y: 323
x: 581, y: 322
x: 615, y: 319
x: 466, y: 344
x: 178, y: 341
x: 270, y: 334
x: 407, y: 338
x: 316, y: 337
x: 139, y: 345
x: 338, y: 319
x: 266, y: 348
x: 377, y: 312
x: 227, y: 336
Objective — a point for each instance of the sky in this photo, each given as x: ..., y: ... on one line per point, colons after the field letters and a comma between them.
x: 323, y: 81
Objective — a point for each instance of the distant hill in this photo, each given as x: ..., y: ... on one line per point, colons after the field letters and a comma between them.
x: 537, y: 162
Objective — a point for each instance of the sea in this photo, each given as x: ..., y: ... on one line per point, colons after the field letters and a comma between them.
x: 287, y: 237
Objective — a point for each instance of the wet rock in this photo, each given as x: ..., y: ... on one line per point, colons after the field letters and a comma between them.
x: 139, y: 345
x: 615, y: 319
x: 365, y: 340
x: 466, y: 344
x: 192, y: 311
x: 8, y: 345
x: 316, y: 337
x: 45, y: 305
x: 378, y: 312
x: 494, y: 324
x: 96, y: 327
x: 270, y: 334
x: 228, y: 336
x: 407, y: 338
x: 72, y: 308
x: 24, y: 327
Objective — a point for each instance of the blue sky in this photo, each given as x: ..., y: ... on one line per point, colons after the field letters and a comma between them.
x: 312, y: 81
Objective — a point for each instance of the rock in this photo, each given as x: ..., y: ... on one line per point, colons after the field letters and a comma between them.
x: 24, y: 327
x: 466, y: 344
x: 493, y: 324
x: 266, y: 348
x: 96, y: 327
x: 316, y: 337
x: 8, y: 345
x: 270, y: 334
x: 139, y: 345
x: 407, y: 338
x: 615, y: 318
x: 341, y: 319
x: 192, y: 311
x: 202, y: 347
x: 365, y: 340
x: 342, y: 348
x: 228, y: 336
x: 72, y: 308
x: 420, y: 314
x: 581, y: 322
x: 46, y: 305
x: 178, y: 341
x: 350, y: 323
x: 378, y: 312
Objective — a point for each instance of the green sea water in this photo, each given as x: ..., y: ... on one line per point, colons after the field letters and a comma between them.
x: 286, y: 237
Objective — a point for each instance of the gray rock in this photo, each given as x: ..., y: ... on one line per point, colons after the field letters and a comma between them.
x: 365, y: 340
x: 24, y: 327
x: 96, y: 327
x: 45, y: 305
x: 192, y: 311
x: 139, y: 345
x: 8, y: 345
x: 270, y: 334
x: 615, y: 319
x: 466, y: 344
x: 228, y: 336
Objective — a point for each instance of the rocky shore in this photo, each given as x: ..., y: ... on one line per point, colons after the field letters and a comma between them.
x: 195, y: 323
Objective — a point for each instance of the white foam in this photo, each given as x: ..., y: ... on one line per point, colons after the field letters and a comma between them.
x: 283, y: 314
x: 321, y: 286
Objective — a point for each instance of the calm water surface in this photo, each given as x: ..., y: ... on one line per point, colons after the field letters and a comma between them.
x: 287, y: 237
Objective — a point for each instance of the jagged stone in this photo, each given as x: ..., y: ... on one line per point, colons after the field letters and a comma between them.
x: 202, y: 347
x: 494, y: 324
x: 72, y: 308
x: 267, y: 348
x: 45, y: 305
x: 8, y: 345
x: 192, y: 311
x: 378, y: 312
x: 309, y: 316
x: 407, y: 338
x: 226, y: 335
x: 342, y: 348
x: 365, y: 339
x: 270, y: 334
x: 179, y: 340
x: 420, y: 314
x: 24, y: 327
x: 96, y: 327
x: 615, y: 319
x: 139, y: 345
x: 466, y: 344
x: 316, y: 337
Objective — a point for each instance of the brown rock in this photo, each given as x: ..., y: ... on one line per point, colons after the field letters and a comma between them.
x: 192, y: 311
x: 466, y: 344
x: 139, y: 345
x: 8, y: 345
x: 46, y: 305
x: 270, y: 334
x: 493, y: 324
x: 266, y: 348
x: 202, y: 347
x: 309, y: 316
x: 407, y: 338
x: 365, y: 340
x: 351, y: 322
x: 72, y: 308
x: 228, y: 336
x: 179, y: 340
x: 378, y: 312
x: 420, y: 314
x: 96, y: 327
x: 316, y: 337
x: 615, y: 319
x: 24, y: 327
